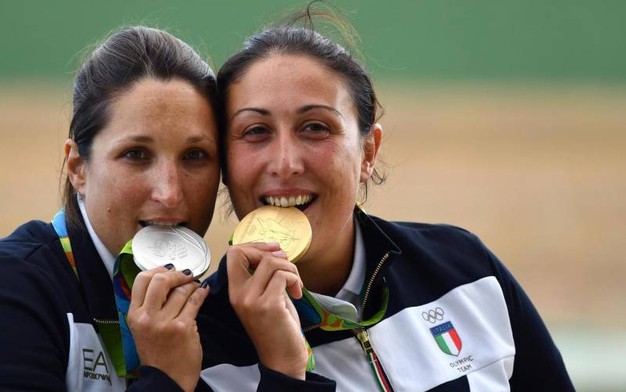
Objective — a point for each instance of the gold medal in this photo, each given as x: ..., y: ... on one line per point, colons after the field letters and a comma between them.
x: 287, y: 226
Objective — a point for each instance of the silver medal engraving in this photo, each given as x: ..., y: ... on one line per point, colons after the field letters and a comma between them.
x: 155, y: 246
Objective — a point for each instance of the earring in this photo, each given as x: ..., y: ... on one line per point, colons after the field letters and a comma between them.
x: 361, y: 196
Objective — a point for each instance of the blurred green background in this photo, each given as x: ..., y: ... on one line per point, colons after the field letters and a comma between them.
x: 557, y: 40
x: 505, y: 117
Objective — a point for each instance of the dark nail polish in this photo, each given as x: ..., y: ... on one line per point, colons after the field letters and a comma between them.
x: 197, y: 280
x: 205, y: 284
x: 187, y: 271
x: 169, y: 266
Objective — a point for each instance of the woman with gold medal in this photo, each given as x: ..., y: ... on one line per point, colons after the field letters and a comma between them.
x: 370, y: 304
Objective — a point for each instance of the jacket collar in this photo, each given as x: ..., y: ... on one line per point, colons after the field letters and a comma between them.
x: 377, y: 242
x: 94, y: 278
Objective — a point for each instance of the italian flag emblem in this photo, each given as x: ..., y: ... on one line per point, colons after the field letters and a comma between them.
x: 447, y: 339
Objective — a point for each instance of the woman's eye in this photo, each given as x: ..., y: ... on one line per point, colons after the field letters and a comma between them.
x: 195, y: 155
x: 136, y: 154
x: 255, y: 132
x: 317, y: 129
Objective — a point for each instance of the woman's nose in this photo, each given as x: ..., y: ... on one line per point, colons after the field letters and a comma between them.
x: 286, y: 158
x: 168, y: 188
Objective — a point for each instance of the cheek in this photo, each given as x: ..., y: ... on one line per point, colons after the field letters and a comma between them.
x: 126, y: 195
x: 346, y: 165
x: 108, y: 187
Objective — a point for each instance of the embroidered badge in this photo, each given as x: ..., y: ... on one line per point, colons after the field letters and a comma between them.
x: 447, y: 338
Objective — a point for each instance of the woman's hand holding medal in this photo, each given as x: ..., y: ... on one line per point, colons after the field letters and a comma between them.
x: 162, y: 317
x: 261, y: 279
x: 165, y: 301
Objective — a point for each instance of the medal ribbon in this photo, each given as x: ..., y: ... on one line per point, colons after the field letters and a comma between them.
x: 124, y: 273
x: 118, y: 340
x: 310, y: 309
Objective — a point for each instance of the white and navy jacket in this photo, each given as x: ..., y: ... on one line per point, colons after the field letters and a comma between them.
x: 456, y: 321
x: 48, y: 339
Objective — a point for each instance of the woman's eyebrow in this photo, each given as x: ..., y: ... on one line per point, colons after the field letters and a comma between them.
x: 263, y: 112
x: 135, y: 139
x: 303, y: 109
x: 196, y: 139
x: 307, y: 108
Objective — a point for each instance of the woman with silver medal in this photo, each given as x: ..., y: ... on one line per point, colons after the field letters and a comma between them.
x: 76, y: 313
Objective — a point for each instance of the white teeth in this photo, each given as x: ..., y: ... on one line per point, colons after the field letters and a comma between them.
x: 290, y: 201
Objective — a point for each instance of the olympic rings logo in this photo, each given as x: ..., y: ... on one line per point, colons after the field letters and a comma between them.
x: 433, y: 315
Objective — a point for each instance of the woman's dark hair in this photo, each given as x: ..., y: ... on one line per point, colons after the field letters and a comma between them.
x: 297, y: 36
x: 115, y: 66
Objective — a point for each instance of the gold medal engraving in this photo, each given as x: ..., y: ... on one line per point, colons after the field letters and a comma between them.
x: 287, y: 226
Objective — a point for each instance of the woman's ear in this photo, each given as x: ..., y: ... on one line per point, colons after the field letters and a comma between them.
x: 371, y: 146
x: 75, y: 166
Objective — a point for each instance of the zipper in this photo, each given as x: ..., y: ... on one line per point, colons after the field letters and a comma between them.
x: 100, y: 321
x: 365, y: 294
x: 371, y: 282
x: 381, y: 377
x: 364, y: 338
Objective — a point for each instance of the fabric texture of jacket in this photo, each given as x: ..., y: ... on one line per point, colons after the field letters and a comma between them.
x: 48, y: 337
x: 456, y: 320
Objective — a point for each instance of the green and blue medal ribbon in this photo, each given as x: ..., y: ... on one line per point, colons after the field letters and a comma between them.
x: 310, y: 309
x: 124, y: 273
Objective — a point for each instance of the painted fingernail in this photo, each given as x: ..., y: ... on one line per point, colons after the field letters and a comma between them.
x: 169, y: 266
x: 205, y: 284
x: 197, y: 280
x: 187, y: 271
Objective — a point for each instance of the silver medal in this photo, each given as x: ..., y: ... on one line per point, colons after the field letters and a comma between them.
x: 155, y: 246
